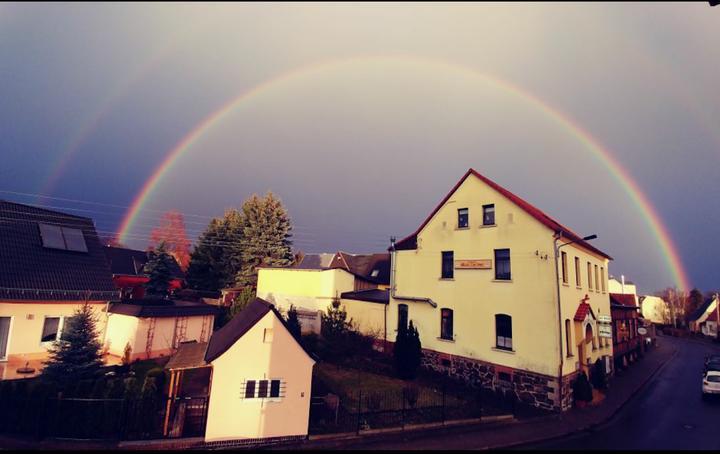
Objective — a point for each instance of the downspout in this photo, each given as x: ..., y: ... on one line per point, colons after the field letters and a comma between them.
x: 556, y: 237
x: 392, y: 281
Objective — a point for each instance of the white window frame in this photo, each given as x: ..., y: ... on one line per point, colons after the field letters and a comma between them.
x: 61, y: 326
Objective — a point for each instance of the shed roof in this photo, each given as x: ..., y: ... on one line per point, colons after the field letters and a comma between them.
x: 371, y: 296
x: 189, y: 355
x: 161, y: 308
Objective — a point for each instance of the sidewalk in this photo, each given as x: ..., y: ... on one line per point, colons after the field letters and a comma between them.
x: 505, y: 435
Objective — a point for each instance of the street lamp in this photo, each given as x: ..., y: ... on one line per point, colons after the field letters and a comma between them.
x: 557, y: 286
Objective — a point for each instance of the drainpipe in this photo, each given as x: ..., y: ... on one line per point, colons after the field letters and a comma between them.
x: 392, y: 281
x: 556, y: 237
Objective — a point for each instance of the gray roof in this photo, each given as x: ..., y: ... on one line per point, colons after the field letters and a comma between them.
x: 189, y: 355
x: 147, y: 307
x: 31, y: 271
x: 130, y: 262
x: 370, y: 296
x: 701, y: 310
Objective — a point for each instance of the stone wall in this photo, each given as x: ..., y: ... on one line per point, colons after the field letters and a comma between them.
x: 530, y: 388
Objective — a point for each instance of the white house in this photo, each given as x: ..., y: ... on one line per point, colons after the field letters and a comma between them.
x: 261, y: 378
x: 654, y: 309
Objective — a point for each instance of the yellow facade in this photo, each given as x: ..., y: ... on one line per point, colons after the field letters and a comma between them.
x: 307, y: 289
x: 266, y: 352
x: 27, y: 321
x: 476, y: 297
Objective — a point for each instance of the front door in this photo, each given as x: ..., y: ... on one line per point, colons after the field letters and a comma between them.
x: 4, y: 337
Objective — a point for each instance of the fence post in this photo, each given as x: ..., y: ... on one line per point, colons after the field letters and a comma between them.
x: 402, y: 411
x: 359, y: 409
x: 443, y: 401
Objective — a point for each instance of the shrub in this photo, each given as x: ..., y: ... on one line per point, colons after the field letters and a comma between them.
x: 157, y: 373
x: 598, y: 375
x: 582, y: 391
x: 311, y: 342
x: 127, y: 354
x: 411, y: 394
x: 293, y: 322
x: 407, y: 352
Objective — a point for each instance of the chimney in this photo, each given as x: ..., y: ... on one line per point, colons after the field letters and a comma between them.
x: 622, y: 282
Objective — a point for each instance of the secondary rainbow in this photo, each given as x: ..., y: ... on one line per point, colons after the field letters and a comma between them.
x: 621, y: 175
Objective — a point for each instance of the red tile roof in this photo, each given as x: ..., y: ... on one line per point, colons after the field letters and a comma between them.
x: 623, y: 299
x: 410, y: 242
x: 582, y: 311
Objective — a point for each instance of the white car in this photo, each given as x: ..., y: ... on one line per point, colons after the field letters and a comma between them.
x: 711, y: 383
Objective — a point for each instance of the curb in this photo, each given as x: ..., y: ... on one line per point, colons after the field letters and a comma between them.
x: 596, y: 425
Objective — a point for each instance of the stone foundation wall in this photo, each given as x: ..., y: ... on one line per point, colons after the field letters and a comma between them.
x: 531, y: 388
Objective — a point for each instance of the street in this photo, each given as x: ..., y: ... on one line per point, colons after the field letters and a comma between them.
x: 668, y: 414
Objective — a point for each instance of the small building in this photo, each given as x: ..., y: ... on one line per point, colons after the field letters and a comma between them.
x: 50, y: 263
x: 627, y: 343
x: 260, y: 378
x: 621, y: 286
x: 317, y: 280
x: 697, y: 319
x: 127, y: 271
x: 155, y: 327
x: 709, y: 327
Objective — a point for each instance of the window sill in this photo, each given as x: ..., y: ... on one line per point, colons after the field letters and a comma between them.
x: 462, y: 228
x: 446, y: 279
x: 502, y: 280
x: 578, y: 287
x: 452, y: 341
x: 565, y: 284
x: 503, y: 350
x: 488, y: 226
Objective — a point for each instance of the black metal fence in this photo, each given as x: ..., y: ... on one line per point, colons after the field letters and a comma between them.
x: 103, y: 419
x: 368, y: 410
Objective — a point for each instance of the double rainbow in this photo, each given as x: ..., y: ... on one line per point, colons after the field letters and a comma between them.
x: 621, y: 175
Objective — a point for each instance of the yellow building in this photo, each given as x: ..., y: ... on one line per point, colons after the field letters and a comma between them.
x: 360, y: 281
x: 492, y: 303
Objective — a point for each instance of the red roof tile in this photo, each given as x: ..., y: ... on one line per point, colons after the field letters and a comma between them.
x: 582, y: 311
x: 410, y: 242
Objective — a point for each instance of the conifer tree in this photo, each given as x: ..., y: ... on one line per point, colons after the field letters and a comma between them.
x: 216, y: 258
x: 266, y: 237
x: 159, y: 270
x: 407, y: 352
x: 77, y: 354
x: 293, y: 322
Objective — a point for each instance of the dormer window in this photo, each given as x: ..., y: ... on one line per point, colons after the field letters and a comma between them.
x: 56, y: 237
x: 375, y: 273
x: 463, y: 215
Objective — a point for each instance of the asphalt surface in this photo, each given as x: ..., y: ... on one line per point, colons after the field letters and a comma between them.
x: 668, y: 414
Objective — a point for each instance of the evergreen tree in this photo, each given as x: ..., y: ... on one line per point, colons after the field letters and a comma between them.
x: 293, y: 322
x: 241, y: 301
x: 77, y: 355
x: 407, y: 352
x: 334, y: 324
x: 266, y: 237
x: 159, y: 270
x: 695, y: 300
x: 216, y: 258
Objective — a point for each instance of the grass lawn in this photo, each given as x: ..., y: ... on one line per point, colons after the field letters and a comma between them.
x: 379, y: 391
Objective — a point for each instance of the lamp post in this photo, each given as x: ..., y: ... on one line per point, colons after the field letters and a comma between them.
x: 559, y: 308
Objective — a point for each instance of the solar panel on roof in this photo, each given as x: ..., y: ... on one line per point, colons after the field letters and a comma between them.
x: 52, y: 236
x: 74, y: 239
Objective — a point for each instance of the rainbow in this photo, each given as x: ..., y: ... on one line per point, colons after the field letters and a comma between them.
x: 621, y: 175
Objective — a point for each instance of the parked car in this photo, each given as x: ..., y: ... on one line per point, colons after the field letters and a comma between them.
x: 714, y: 357
x: 711, y: 365
x: 711, y: 383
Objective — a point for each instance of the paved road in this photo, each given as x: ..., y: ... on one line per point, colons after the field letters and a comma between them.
x: 667, y: 414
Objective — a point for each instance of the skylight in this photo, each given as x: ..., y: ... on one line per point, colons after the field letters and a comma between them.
x: 56, y: 237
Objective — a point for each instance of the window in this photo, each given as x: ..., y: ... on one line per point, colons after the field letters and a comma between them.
x: 375, y: 273
x: 57, y: 237
x: 446, y: 324
x: 503, y: 331
x: 402, y: 316
x: 602, y: 278
x: 447, y: 265
x: 489, y: 214
x: 263, y: 388
x: 502, y: 264
x: 462, y: 218
x: 51, y: 329
x: 597, y: 280
x: 275, y: 388
x: 589, y: 276
x: 577, y: 272
x: 568, y: 339
x: 250, y: 389
x: 564, y: 267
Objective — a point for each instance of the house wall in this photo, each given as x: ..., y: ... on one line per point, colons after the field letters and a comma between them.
x: 231, y: 415
x: 615, y: 286
x: 124, y: 328
x: 475, y: 297
x: 309, y: 290
x: 368, y: 317
x: 25, y: 334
